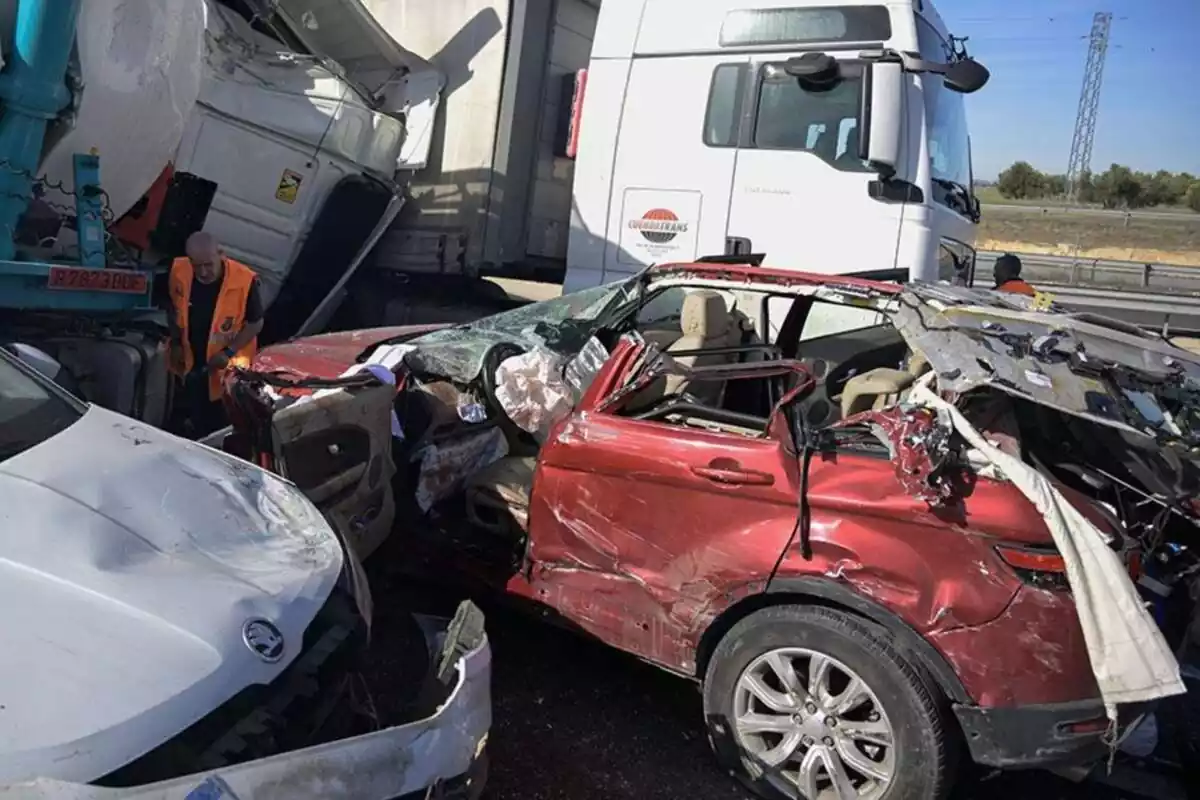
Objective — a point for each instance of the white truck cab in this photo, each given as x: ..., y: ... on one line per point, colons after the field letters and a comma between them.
x: 825, y: 136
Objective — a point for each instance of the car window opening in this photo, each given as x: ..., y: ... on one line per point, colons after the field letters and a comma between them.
x: 32, y: 409
x: 700, y: 398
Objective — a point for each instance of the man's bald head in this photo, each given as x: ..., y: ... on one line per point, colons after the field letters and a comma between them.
x: 205, y: 254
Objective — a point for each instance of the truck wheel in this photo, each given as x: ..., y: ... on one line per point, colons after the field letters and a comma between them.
x: 809, y: 702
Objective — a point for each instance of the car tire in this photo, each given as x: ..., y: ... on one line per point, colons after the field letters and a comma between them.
x: 899, y: 707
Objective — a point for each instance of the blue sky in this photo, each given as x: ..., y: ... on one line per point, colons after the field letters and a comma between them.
x: 1149, y: 115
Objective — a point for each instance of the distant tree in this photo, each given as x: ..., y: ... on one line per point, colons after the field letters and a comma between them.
x: 1181, y: 183
x: 1086, y: 192
x: 1193, y: 197
x: 1021, y: 182
x: 1119, y: 187
x: 1055, y: 185
x: 1160, y: 189
x: 1116, y: 187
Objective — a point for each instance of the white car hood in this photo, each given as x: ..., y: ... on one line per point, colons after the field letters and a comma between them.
x: 130, y: 562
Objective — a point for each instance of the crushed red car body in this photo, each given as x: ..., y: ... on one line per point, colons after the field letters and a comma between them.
x: 687, y: 464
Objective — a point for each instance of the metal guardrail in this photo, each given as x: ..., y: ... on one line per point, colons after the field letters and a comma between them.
x: 1161, y: 296
x: 1101, y: 274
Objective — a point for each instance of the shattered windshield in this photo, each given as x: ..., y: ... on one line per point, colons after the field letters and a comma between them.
x: 563, y: 324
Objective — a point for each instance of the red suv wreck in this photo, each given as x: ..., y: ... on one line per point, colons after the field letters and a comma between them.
x: 876, y: 522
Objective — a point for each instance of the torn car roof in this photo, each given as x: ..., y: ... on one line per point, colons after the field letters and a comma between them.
x: 734, y: 275
x: 1078, y: 364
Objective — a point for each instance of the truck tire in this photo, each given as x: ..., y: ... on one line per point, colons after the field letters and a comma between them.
x: 856, y: 710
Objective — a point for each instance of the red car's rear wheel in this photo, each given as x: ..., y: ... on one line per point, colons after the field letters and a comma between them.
x: 809, y: 702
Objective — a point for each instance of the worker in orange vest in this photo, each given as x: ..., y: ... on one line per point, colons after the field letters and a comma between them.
x: 1007, y: 272
x: 216, y: 315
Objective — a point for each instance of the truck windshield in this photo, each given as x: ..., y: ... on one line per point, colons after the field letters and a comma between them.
x: 946, y: 119
x: 31, y: 409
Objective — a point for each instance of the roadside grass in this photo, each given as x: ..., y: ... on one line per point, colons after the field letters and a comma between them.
x: 990, y: 195
x: 1051, y: 231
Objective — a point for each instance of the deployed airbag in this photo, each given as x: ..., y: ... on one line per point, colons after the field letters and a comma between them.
x: 531, y: 390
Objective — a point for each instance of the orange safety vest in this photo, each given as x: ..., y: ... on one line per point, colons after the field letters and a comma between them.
x: 1017, y: 286
x: 228, y: 318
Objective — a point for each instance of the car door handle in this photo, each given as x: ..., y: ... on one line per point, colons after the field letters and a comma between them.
x: 734, y: 475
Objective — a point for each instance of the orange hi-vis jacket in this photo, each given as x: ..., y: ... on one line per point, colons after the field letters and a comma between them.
x: 228, y: 318
x: 1017, y: 286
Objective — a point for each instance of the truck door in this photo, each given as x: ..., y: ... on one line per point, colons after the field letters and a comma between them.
x: 800, y: 192
x: 674, y: 161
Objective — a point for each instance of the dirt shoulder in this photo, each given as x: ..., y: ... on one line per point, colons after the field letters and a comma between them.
x: 1158, y: 239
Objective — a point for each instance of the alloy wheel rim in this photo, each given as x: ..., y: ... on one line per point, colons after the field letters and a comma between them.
x: 815, y: 725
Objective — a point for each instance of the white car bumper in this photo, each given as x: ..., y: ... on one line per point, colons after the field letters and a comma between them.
x: 443, y: 752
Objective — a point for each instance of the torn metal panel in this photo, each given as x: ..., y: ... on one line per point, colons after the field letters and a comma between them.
x: 1136, y: 383
x: 1129, y: 656
x: 918, y: 440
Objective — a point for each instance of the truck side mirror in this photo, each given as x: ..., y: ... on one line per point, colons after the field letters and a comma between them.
x: 966, y: 76
x: 814, y: 69
x: 882, y: 99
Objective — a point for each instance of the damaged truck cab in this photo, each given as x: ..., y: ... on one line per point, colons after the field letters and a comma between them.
x: 840, y: 554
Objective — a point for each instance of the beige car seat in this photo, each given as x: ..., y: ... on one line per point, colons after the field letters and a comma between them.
x: 706, y: 324
x: 879, y: 388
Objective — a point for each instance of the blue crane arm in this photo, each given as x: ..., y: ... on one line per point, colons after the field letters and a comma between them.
x: 34, y: 91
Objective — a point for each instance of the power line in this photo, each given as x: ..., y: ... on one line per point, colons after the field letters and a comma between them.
x: 1080, y: 161
x: 1020, y: 39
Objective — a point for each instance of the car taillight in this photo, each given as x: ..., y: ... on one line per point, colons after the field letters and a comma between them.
x: 1091, y: 726
x: 1044, y: 569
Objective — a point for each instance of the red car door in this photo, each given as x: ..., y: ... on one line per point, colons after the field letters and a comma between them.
x: 636, y: 526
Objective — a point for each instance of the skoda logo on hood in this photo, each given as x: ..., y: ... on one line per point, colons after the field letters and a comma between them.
x: 264, y: 639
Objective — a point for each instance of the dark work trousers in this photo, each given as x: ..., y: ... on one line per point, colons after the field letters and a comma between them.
x: 193, y: 414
